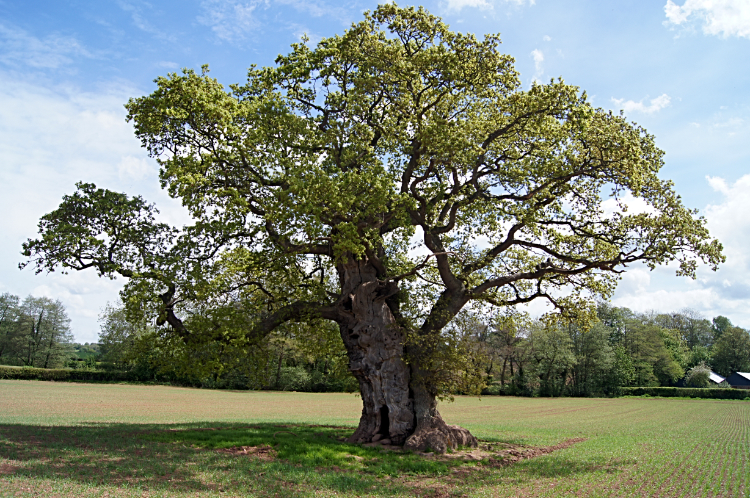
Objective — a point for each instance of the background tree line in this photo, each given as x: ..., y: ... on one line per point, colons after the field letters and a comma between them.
x: 500, y: 354
x: 621, y: 348
x: 34, y: 332
x: 491, y: 354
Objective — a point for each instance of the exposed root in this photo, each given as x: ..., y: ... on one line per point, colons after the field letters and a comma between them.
x: 439, y: 438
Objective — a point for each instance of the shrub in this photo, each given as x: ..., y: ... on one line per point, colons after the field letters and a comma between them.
x: 294, y: 379
x: 698, y: 376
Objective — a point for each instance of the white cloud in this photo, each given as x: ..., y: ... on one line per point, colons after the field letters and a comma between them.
x: 724, y: 292
x: 230, y: 20
x: 140, y: 20
x: 235, y: 20
x: 460, y: 4
x: 481, y: 4
x: 635, y: 281
x: 719, y: 17
x: 627, y: 204
x: 730, y: 123
x: 655, y: 105
x: 51, y: 137
x: 134, y: 168
x: 546, y: 38
x: 538, y: 57
x: 730, y: 223
x: 18, y: 47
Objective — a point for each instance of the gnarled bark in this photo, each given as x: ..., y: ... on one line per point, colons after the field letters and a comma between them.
x: 431, y: 432
x: 375, y: 345
x: 394, y: 408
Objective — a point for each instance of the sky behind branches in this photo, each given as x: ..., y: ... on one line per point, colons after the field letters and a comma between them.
x: 67, y: 67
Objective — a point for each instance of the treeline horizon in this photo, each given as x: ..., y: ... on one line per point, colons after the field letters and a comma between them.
x: 483, y: 353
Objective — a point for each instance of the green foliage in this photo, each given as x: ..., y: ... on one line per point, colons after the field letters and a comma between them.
x: 596, y: 370
x: 690, y: 327
x: 731, y: 353
x: 719, y: 325
x: 550, y: 355
x: 34, y: 332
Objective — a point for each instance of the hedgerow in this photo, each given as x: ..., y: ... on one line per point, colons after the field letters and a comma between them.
x: 686, y: 392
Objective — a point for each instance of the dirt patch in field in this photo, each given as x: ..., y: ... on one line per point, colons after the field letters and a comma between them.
x: 7, y: 469
x: 515, y: 453
x: 264, y: 452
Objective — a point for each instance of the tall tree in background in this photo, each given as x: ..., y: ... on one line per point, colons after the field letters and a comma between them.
x: 719, y: 325
x: 9, y: 326
x: 310, y: 183
x: 44, y: 338
x: 731, y: 353
x: 691, y: 326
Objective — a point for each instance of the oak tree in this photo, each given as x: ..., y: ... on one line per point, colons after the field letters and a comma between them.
x: 383, y: 179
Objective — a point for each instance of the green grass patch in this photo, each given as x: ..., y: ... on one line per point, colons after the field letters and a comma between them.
x: 319, y: 447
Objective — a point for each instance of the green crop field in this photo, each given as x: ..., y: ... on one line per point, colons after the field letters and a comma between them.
x: 66, y: 440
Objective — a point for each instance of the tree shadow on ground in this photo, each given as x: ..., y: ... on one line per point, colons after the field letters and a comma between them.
x: 258, y: 459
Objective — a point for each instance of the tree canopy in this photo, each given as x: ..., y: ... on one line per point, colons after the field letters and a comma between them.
x: 382, y: 179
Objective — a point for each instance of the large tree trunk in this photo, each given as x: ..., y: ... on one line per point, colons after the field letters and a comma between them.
x: 394, y: 408
x: 375, y: 344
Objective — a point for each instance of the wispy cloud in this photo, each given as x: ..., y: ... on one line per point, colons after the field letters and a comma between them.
x: 730, y: 123
x: 724, y: 292
x: 655, y: 105
x: 134, y: 168
x: 20, y: 48
x: 52, y: 136
x: 538, y: 57
x: 140, y: 20
x: 230, y: 20
x: 719, y: 17
x: 235, y: 20
x: 457, y: 5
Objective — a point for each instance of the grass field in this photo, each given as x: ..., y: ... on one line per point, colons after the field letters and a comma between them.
x: 68, y: 440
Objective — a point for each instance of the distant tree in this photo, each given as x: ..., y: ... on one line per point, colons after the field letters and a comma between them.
x: 594, y: 360
x: 731, y: 353
x: 9, y: 327
x: 504, y: 341
x: 117, y: 334
x: 698, y: 355
x: 719, y: 325
x: 692, y: 327
x: 615, y: 319
x: 622, y: 372
x: 653, y: 362
x: 550, y: 358
x: 44, y: 338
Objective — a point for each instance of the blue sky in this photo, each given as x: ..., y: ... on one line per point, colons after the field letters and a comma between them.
x: 679, y: 68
